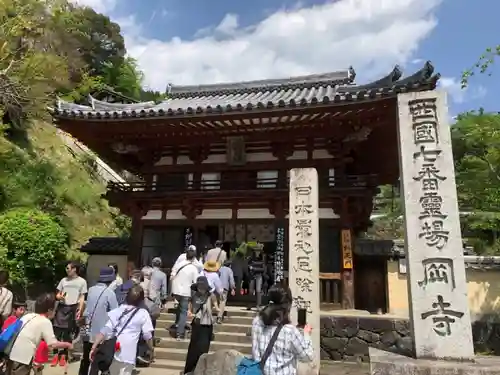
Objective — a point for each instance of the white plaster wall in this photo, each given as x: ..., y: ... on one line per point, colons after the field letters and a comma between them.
x: 96, y: 262
x: 251, y: 157
x: 226, y: 214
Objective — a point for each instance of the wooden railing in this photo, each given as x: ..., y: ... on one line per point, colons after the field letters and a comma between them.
x: 211, y: 185
x: 330, y: 287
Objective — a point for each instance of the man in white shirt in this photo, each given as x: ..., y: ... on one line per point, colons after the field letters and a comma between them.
x: 217, y: 254
x: 71, y: 292
x: 36, y: 327
x: 184, y: 278
x: 182, y: 258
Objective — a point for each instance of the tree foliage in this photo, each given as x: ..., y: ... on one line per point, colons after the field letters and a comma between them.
x: 50, y: 203
x: 476, y: 146
x: 32, y: 241
x: 482, y: 65
x: 125, y: 78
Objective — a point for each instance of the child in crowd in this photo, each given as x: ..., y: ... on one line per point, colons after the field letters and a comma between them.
x: 18, y: 310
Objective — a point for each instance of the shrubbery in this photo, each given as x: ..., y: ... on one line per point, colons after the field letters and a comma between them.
x: 33, y: 244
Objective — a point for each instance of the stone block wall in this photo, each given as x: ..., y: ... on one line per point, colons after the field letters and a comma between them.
x: 347, y: 338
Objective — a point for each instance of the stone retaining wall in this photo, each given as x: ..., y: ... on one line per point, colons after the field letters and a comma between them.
x: 347, y: 338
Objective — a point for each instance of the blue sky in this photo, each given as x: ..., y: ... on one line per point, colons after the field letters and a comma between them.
x: 196, y: 41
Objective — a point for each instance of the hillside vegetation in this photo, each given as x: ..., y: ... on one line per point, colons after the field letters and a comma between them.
x: 50, y: 199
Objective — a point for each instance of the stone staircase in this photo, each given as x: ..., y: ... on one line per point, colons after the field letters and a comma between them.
x: 232, y: 334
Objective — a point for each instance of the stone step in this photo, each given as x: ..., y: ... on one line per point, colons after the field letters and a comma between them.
x: 233, y: 319
x: 165, y: 364
x: 167, y: 343
x: 219, y: 336
x: 225, y: 327
x: 231, y: 311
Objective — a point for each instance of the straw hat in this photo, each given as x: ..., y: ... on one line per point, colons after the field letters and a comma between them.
x: 211, y: 266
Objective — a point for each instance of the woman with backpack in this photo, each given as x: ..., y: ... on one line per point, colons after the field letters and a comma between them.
x: 277, y: 344
x: 202, y: 326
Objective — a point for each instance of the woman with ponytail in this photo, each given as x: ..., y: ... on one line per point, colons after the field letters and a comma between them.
x: 289, y: 345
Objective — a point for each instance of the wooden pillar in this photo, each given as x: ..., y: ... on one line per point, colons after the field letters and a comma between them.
x: 135, y: 252
x: 234, y: 221
x: 347, y: 257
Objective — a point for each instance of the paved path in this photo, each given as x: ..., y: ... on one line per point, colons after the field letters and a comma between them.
x: 334, y: 369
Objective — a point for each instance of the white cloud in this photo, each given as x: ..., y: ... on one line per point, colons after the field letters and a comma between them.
x: 457, y: 94
x: 371, y: 35
x: 100, y: 6
x: 228, y: 25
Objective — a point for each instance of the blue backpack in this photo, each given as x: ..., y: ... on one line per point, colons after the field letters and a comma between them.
x: 9, y: 334
x: 249, y: 366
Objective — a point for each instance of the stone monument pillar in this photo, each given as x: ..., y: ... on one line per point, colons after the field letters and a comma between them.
x: 437, y: 287
x: 303, y: 265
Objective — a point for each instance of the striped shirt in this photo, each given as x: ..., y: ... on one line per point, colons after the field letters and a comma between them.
x: 290, y: 347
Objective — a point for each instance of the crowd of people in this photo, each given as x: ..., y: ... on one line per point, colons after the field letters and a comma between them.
x: 116, y: 318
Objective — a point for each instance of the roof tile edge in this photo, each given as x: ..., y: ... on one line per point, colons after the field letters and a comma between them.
x: 337, y: 78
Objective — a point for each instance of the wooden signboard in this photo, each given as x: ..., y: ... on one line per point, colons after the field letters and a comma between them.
x: 346, y: 249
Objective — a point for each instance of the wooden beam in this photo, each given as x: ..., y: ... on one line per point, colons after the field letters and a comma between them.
x: 161, y: 128
x: 250, y: 166
x: 257, y: 113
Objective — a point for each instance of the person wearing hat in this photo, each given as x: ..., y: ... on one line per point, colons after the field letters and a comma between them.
x: 159, y: 280
x: 181, y: 260
x: 100, y: 300
x: 122, y: 290
x: 211, y: 272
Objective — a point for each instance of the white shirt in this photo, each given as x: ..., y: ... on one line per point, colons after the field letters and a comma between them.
x: 5, y: 302
x: 35, y: 328
x: 129, y: 338
x: 184, y: 278
x: 216, y: 255
x: 213, y: 281
x: 181, y: 260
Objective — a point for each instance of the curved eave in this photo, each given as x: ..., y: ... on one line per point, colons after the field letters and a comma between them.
x: 389, y: 86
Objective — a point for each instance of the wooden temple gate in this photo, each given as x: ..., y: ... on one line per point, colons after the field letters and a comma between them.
x: 223, y: 151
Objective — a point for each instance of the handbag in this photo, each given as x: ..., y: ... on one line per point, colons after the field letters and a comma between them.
x: 85, y: 329
x: 153, y: 307
x: 106, y: 350
x: 250, y: 365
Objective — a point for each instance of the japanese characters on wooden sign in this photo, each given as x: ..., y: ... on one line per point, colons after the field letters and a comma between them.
x: 188, y: 238
x: 279, y: 255
x: 437, y: 285
x: 304, y: 248
x: 346, y: 248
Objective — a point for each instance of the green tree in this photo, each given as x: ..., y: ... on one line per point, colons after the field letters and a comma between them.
x: 100, y: 40
x: 476, y: 145
x: 482, y: 65
x: 30, y: 71
x: 32, y: 243
x: 387, y: 222
x: 125, y: 78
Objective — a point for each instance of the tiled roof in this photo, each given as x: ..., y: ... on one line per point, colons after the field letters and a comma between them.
x: 323, y: 89
x: 107, y: 245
